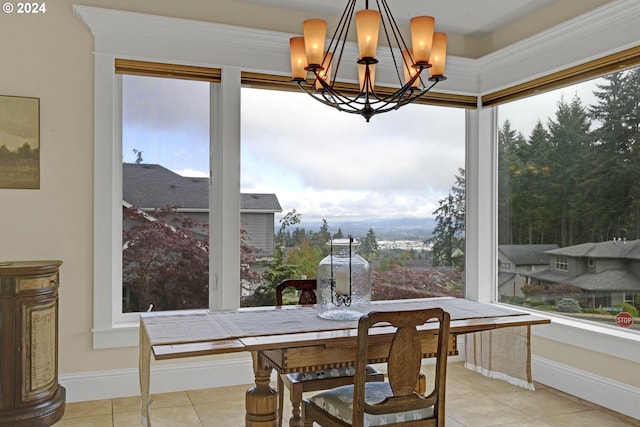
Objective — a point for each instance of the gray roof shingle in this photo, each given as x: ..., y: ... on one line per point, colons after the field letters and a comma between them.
x: 609, y: 280
x: 629, y: 249
x: 527, y: 254
x: 154, y: 186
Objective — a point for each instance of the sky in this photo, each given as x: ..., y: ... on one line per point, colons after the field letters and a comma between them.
x: 524, y: 114
x: 318, y: 161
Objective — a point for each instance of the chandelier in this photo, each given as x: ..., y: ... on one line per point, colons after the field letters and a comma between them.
x: 308, y: 55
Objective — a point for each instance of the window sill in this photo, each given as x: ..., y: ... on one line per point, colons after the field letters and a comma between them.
x: 126, y: 333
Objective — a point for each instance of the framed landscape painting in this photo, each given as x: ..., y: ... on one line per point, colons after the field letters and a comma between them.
x: 19, y: 142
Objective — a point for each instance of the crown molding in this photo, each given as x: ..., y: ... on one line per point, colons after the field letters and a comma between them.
x: 133, y: 35
x: 595, y: 34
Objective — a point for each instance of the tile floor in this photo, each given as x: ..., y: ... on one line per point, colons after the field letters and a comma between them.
x: 472, y: 401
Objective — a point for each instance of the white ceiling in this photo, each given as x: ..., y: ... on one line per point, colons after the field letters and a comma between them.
x: 472, y: 18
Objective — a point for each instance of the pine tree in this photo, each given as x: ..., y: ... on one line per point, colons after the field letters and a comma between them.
x: 448, y: 234
x: 369, y: 245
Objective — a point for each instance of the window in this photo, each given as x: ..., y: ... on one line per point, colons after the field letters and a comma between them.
x: 562, y: 263
x: 379, y: 182
x: 113, y: 326
x: 568, y: 191
x: 165, y: 192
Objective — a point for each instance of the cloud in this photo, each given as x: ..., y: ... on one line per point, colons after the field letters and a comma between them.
x: 330, y: 164
x: 321, y: 162
x: 166, y: 104
x: 415, y: 148
x: 191, y: 173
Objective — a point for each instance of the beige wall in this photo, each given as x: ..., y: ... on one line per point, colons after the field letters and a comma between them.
x: 49, y: 56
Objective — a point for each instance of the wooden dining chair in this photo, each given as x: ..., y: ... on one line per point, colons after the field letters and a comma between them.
x: 299, y: 383
x: 396, y: 402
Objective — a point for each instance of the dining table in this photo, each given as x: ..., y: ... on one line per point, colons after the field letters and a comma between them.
x: 291, y: 339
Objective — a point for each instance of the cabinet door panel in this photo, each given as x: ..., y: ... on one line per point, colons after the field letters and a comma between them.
x: 38, y: 353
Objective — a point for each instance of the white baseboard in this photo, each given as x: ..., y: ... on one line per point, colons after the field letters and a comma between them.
x: 99, y: 385
x: 605, y: 392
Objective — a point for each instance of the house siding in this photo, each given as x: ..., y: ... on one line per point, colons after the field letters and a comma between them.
x: 259, y: 228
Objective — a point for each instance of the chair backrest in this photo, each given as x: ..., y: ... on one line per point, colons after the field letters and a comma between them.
x: 306, y: 286
x: 403, y: 365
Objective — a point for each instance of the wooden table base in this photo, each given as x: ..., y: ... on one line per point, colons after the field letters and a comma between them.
x: 262, y: 399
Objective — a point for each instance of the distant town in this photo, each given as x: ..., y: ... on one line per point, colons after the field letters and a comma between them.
x: 392, y: 233
x: 404, y: 245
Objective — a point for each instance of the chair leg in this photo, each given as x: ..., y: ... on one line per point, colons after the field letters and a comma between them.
x: 280, y: 399
x: 307, y: 422
x: 421, y: 384
x: 296, y: 400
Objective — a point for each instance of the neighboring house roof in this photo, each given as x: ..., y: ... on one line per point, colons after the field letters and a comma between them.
x: 527, y: 254
x: 504, y: 277
x: 609, y: 280
x: 150, y: 186
x: 629, y: 249
x: 259, y: 202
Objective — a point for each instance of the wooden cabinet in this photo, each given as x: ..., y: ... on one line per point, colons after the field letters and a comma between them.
x: 29, y: 391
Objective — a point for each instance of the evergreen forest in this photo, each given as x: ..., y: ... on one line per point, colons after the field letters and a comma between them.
x: 576, y: 178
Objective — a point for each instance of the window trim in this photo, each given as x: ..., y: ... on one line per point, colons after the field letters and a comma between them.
x: 160, y: 69
x: 112, y: 328
x: 561, y: 263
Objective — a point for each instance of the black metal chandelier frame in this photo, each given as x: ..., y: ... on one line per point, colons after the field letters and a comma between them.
x: 367, y: 102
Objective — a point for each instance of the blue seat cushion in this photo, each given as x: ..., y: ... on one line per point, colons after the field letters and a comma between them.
x: 327, y: 373
x: 339, y: 403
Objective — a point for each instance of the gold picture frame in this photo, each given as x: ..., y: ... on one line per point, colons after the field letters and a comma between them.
x: 19, y: 142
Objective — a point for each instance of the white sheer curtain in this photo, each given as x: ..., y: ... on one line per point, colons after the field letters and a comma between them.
x: 503, y: 353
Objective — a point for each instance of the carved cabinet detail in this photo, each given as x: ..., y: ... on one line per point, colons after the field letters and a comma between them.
x: 29, y: 391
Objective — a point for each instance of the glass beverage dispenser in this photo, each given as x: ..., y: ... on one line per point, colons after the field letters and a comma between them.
x: 344, y: 282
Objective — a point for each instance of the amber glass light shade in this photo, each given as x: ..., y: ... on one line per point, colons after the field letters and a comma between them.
x: 372, y: 76
x: 298, y: 58
x: 409, y: 70
x: 438, y: 54
x: 367, y: 27
x: 422, y: 38
x: 325, y: 73
x: 315, y: 31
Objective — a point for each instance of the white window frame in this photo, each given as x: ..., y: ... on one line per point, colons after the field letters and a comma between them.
x: 163, y: 39
x: 562, y: 263
x: 112, y: 327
